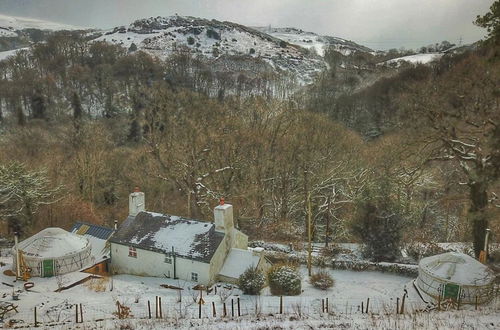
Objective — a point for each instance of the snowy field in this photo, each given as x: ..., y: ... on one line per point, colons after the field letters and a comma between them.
x: 415, y: 59
x: 99, y: 299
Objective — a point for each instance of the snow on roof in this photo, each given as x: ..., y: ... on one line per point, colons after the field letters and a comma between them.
x: 457, y: 268
x: 159, y: 232
x: 238, y: 261
x: 53, y: 243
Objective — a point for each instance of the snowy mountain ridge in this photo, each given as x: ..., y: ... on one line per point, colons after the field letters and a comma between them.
x: 221, y: 43
x: 311, y: 40
x: 9, y: 25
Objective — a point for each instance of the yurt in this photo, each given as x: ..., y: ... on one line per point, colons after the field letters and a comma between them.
x: 456, y: 276
x: 51, y: 252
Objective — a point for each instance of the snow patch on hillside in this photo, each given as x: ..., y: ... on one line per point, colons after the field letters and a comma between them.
x: 10, y: 53
x: 415, y: 59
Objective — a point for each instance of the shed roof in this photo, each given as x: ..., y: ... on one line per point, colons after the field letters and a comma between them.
x: 190, y: 239
x: 238, y: 261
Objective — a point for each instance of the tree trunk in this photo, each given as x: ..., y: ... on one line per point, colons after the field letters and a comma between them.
x: 477, y: 213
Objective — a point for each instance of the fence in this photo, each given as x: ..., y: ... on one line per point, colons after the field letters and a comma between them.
x: 214, y: 308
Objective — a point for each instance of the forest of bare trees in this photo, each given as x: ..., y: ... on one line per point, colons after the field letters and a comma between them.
x: 87, y: 122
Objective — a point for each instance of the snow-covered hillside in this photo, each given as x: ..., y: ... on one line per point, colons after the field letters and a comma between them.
x: 415, y: 59
x: 223, y: 43
x: 311, y: 40
x: 10, y: 24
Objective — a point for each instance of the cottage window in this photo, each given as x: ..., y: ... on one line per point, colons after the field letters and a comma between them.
x: 194, y: 277
x: 132, y: 252
x: 168, y: 259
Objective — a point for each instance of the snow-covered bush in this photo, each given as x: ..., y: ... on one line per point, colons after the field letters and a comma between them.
x: 252, y: 281
x: 321, y: 280
x: 284, y: 280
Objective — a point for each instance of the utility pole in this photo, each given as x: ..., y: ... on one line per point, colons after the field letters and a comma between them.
x: 309, y: 234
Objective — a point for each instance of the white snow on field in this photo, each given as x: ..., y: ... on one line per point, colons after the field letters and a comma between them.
x: 9, y: 53
x: 99, y: 296
x: 18, y: 23
x: 417, y: 58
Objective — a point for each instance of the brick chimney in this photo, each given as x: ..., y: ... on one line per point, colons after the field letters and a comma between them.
x: 136, y: 202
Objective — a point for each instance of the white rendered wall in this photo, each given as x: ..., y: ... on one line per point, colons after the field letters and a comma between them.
x: 150, y: 263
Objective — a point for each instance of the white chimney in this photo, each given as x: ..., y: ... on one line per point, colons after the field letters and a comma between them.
x: 136, y: 202
x: 223, y: 215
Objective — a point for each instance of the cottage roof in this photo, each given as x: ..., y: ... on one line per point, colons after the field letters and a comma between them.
x: 190, y: 238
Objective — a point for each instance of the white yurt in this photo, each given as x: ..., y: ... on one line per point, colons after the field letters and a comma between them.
x: 456, y: 276
x: 53, y: 251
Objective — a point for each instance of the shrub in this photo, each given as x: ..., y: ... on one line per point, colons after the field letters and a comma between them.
x: 132, y: 48
x: 321, y: 280
x: 252, y: 281
x: 283, y: 44
x: 284, y: 280
x: 212, y: 34
x: 190, y: 40
x: 252, y: 50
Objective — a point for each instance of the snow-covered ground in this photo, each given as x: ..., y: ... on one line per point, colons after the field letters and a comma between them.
x: 99, y: 299
x: 9, y: 53
x: 415, y: 59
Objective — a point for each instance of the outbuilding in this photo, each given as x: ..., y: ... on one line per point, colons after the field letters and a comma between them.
x: 456, y: 276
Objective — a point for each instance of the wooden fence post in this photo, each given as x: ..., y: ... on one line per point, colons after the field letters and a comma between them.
x: 213, y: 309
x: 199, y: 309
x: 156, y: 307
x: 281, y: 304
x: 81, y: 314
x: 362, y: 307
x: 322, y: 305
x: 327, y: 305
x: 403, y: 304
x: 476, y: 303
x: 159, y: 304
x: 239, y: 310
x: 149, y: 309
x: 367, y: 304
x: 232, y: 307
x: 397, y: 305
x: 36, y: 323
x: 76, y: 313
x: 224, y: 309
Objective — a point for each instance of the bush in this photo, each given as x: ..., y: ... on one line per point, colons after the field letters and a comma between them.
x: 132, y: 48
x: 252, y: 51
x: 284, y: 280
x: 321, y: 280
x: 190, y: 40
x: 252, y: 281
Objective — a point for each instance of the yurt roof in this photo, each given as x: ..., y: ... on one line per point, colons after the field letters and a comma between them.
x: 457, y: 268
x: 53, y: 243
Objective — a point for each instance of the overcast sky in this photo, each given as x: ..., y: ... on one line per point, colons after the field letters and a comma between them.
x: 379, y: 24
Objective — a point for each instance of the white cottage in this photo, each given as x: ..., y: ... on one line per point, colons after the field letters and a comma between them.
x: 154, y: 244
